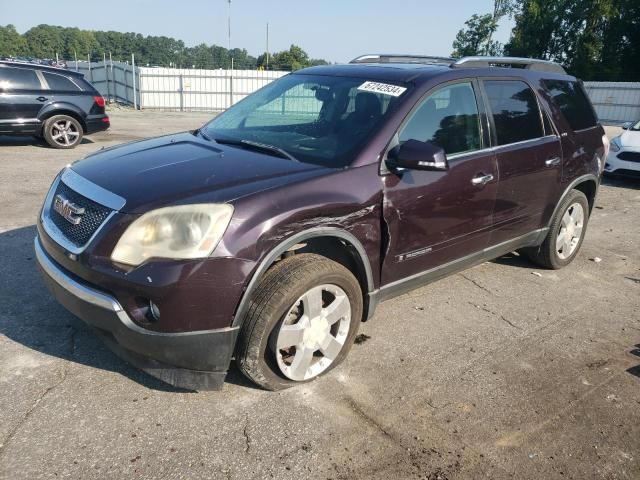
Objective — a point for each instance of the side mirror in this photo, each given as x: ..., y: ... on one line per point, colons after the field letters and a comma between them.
x: 627, y: 125
x: 417, y: 155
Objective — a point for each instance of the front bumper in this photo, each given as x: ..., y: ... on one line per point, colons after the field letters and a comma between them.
x: 617, y: 166
x: 192, y: 360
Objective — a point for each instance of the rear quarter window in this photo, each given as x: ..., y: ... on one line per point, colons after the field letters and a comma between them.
x: 60, y: 82
x: 572, y: 102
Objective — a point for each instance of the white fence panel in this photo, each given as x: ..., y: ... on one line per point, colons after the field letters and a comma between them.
x: 615, y: 102
x: 189, y: 89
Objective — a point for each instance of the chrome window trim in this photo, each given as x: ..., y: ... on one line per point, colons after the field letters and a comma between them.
x: 20, y: 121
x: 87, y: 189
x: 43, y: 82
x: 498, y: 147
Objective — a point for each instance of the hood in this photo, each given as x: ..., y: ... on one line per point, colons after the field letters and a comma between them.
x: 172, y: 169
x: 630, y: 138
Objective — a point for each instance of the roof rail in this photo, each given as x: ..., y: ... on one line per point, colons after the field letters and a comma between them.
x: 527, y: 63
x: 396, y: 58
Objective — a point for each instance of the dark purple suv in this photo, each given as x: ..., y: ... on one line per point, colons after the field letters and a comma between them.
x: 271, y: 232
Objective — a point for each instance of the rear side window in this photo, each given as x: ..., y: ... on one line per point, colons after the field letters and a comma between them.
x: 18, y: 79
x: 447, y: 118
x: 58, y: 82
x: 515, y: 111
x: 572, y: 102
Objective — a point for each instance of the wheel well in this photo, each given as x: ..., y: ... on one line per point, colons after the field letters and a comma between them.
x: 589, y: 188
x: 69, y: 113
x: 340, y: 251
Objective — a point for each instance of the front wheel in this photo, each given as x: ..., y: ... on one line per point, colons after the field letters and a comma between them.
x: 566, y: 233
x: 301, y: 322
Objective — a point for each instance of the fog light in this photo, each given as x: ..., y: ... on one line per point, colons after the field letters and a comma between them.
x: 154, y: 310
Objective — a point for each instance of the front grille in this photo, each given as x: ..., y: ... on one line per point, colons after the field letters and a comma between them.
x: 94, y: 216
x: 629, y: 156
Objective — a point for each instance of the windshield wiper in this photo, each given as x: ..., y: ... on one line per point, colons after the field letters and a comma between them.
x: 202, y: 134
x: 265, y: 147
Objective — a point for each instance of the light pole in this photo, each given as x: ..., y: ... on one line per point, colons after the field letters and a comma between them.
x: 229, y: 23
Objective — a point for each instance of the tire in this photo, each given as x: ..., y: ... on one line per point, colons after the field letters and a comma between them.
x: 549, y: 255
x: 282, y: 299
x: 62, y: 131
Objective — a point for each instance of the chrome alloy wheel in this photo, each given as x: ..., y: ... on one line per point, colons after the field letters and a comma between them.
x: 64, y: 133
x: 570, y: 231
x: 313, y: 332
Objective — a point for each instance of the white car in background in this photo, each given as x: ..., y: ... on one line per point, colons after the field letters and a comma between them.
x: 624, y: 153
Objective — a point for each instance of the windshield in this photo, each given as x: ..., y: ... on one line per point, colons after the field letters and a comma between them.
x: 635, y: 127
x: 313, y: 118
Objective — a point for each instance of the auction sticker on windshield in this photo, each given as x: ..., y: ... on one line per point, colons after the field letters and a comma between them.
x: 383, y: 88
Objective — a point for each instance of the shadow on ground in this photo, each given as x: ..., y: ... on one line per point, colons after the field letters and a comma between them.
x: 635, y: 370
x: 30, y: 316
x: 27, y: 140
x: 621, y: 181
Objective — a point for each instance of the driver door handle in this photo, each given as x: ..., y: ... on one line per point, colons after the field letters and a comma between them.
x: 481, y: 179
x: 551, y: 162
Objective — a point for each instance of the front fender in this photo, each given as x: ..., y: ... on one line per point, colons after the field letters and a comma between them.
x: 344, y: 205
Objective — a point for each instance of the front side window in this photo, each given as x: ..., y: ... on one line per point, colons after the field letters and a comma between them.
x: 447, y: 118
x: 18, y: 79
x: 572, y: 102
x: 58, y: 82
x: 516, y: 115
x: 317, y: 119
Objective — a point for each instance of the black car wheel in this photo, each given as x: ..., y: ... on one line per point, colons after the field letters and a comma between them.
x: 62, y: 131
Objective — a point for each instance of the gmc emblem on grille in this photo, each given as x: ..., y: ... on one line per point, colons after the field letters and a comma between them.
x: 70, y: 211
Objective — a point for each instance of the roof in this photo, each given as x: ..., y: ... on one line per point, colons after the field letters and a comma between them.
x: 406, y: 68
x: 391, y: 72
x: 46, y: 68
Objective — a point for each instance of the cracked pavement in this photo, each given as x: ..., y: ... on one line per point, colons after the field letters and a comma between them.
x: 501, y: 371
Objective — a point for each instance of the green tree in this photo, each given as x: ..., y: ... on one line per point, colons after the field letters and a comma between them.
x: 44, y: 41
x: 11, y: 42
x: 595, y: 40
x: 293, y: 59
x: 476, y: 38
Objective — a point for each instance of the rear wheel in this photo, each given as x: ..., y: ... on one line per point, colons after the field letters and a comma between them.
x: 301, y: 321
x: 62, y: 131
x: 566, y: 233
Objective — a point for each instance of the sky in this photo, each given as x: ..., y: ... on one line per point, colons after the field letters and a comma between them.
x: 335, y: 30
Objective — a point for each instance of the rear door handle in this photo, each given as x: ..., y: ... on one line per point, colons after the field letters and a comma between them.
x: 41, y: 99
x: 552, y: 162
x: 481, y: 179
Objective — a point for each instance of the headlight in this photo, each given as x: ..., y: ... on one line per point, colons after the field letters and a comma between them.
x: 615, y: 144
x: 182, y: 232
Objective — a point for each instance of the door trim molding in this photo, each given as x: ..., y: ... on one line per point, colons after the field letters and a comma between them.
x: 412, y: 282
